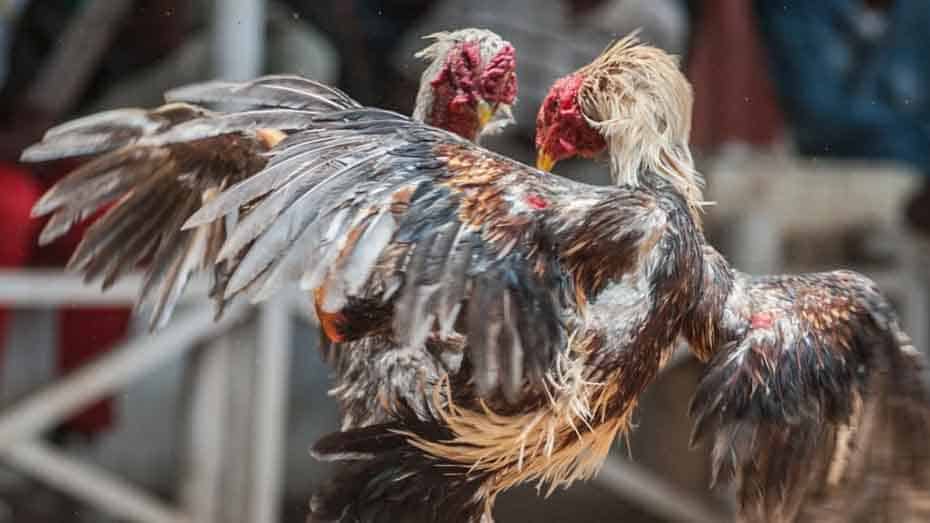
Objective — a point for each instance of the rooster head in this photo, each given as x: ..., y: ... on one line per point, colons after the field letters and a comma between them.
x: 631, y: 102
x: 470, y: 84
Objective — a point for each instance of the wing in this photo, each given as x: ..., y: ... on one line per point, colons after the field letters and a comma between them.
x: 411, y: 230
x: 819, y: 408
x: 394, y: 225
x: 155, y: 168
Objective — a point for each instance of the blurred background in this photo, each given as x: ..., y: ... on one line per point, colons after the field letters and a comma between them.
x: 811, y: 124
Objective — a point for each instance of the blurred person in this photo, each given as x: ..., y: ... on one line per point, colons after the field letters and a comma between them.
x: 854, y: 78
x: 150, y: 30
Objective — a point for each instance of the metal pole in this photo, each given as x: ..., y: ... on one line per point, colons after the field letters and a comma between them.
x: 239, y: 483
x: 647, y: 490
x: 269, y: 421
x: 49, y: 288
x: 111, y: 494
x: 206, y: 383
x: 238, y: 39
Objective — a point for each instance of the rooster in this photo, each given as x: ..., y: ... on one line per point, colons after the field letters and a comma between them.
x: 536, y: 309
x: 161, y: 165
x: 813, y: 396
x: 540, y: 307
x: 371, y: 369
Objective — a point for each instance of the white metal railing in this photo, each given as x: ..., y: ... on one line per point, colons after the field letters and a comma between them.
x: 210, y: 398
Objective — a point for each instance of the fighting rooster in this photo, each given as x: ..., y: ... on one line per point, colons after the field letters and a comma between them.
x: 453, y: 97
x: 161, y: 165
x: 815, y: 398
x: 573, y: 296
x: 544, y: 306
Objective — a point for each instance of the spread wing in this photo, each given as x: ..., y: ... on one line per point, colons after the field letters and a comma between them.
x: 155, y: 168
x: 820, y: 408
x: 411, y: 230
x: 395, y: 226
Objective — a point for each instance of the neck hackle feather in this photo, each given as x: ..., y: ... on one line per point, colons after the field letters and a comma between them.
x: 638, y: 99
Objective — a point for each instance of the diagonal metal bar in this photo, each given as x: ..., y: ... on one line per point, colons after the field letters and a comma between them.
x: 44, y: 288
x: 63, y: 76
x: 91, y: 483
x: 109, y: 372
x: 647, y: 490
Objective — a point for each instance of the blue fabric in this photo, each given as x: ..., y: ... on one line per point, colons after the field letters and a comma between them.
x: 850, y: 90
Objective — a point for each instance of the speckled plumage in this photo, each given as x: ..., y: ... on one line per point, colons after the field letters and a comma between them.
x: 813, y: 398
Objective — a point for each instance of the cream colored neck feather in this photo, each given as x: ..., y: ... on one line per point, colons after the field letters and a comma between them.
x: 432, y: 54
x: 673, y: 162
x: 639, y: 100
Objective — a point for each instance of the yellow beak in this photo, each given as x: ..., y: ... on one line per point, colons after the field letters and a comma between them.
x: 485, y: 114
x: 544, y: 162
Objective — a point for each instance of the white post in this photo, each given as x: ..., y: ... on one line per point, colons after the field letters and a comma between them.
x: 205, y: 384
x: 271, y: 388
x: 238, y: 39
x: 93, y: 484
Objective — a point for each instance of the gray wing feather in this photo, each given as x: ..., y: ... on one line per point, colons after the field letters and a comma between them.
x: 283, y: 91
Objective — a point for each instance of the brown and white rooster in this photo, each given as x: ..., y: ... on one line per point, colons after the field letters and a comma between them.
x: 545, y: 305
x: 471, y: 101
x: 815, y: 399
x: 571, y: 297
